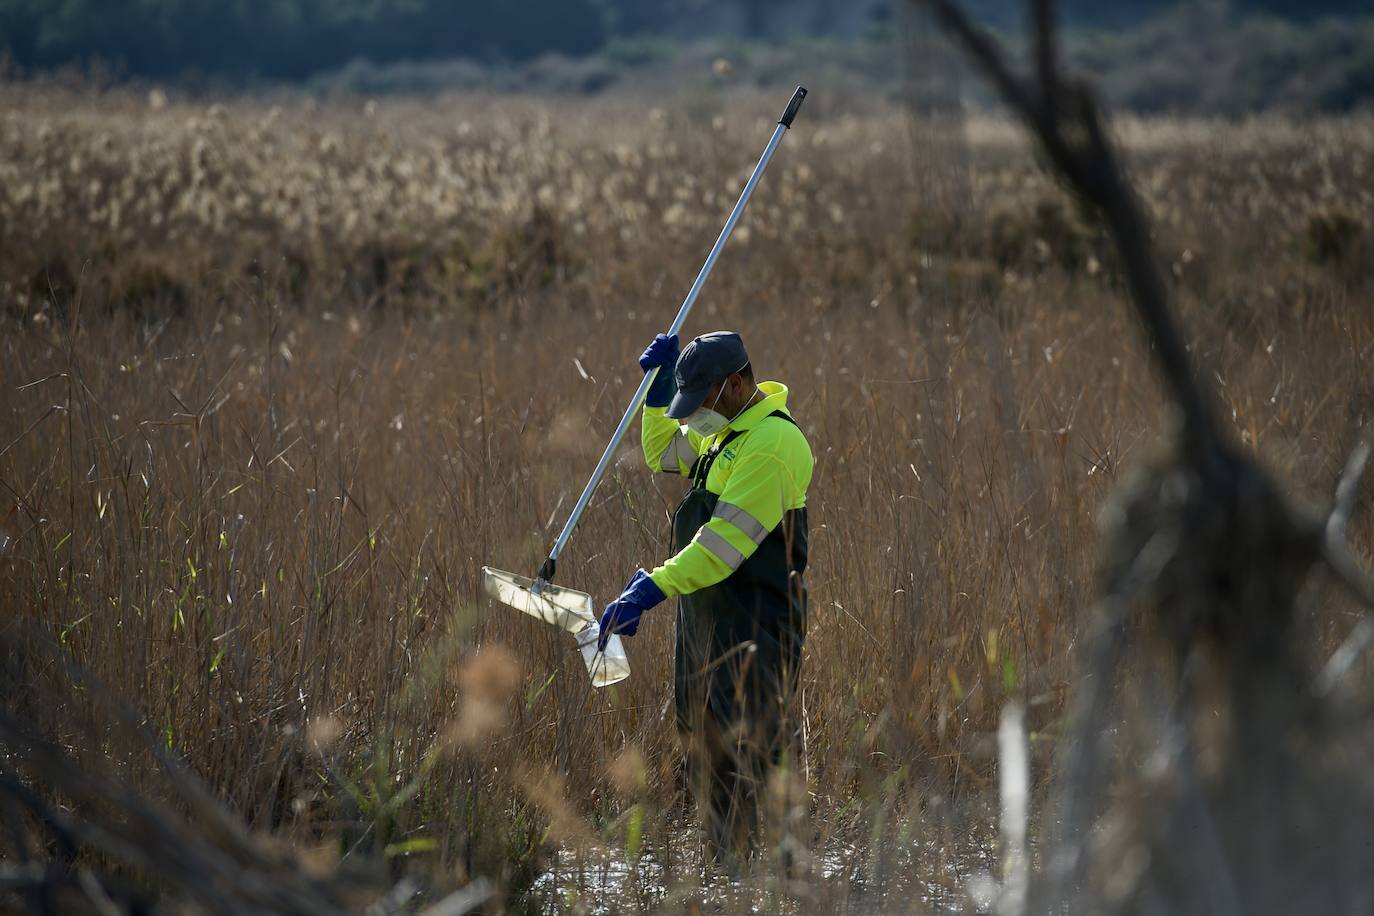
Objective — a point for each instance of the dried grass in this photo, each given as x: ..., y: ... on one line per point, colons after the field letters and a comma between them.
x: 314, y: 366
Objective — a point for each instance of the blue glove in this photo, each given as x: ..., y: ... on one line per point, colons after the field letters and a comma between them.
x: 662, y: 353
x: 622, y: 614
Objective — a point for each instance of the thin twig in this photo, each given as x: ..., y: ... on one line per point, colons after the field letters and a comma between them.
x: 1347, y: 493
x: 1345, y: 657
x: 1081, y: 152
x: 1042, y: 12
x: 32, y: 426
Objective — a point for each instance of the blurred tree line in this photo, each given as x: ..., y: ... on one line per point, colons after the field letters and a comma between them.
x: 292, y: 39
x: 289, y: 39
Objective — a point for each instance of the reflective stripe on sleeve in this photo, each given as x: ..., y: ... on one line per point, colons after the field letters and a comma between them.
x: 679, y: 450
x: 722, y: 548
x: 751, y: 527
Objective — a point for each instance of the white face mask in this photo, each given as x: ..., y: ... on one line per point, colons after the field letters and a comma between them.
x: 705, y: 422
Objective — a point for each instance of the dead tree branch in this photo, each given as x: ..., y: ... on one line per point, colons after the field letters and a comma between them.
x: 1207, y: 556
x: 1063, y: 116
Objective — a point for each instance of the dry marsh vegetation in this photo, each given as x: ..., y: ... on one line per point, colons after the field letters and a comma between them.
x: 279, y: 380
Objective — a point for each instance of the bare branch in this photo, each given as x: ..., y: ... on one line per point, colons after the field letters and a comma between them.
x: 1348, y: 570
x: 1080, y: 765
x: 983, y: 48
x: 1345, y: 657
x: 56, y: 408
x: 1347, y: 493
x: 1042, y: 12
x: 464, y: 901
x: 1064, y: 118
x: 1351, y: 573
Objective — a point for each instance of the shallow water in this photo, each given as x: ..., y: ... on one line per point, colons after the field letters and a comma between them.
x: 899, y: 877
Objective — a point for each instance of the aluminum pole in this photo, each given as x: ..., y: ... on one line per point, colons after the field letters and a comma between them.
x: 547, y: 570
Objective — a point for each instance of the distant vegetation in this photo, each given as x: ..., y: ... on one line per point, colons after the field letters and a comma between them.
x: 1192, y: 61
x: 287, y: 39
x: 1196, y: 60
x: 1150, y: 56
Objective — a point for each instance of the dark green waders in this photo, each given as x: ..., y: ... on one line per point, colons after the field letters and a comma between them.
x: 738, y: 657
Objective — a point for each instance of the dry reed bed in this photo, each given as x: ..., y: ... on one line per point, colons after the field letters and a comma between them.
x: 316, y: 365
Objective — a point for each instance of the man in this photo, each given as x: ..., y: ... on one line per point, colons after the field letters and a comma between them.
x: 740, y: 537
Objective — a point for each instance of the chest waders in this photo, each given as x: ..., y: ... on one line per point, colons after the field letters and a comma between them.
x: 737, y: 660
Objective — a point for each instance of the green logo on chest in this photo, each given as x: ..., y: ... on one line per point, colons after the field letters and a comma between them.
x: 728, y: 454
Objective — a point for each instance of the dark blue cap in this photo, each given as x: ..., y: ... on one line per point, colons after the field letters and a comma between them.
x: 706, y: 360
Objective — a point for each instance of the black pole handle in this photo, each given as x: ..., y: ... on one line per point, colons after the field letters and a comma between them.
x: 547, y: 570
x: 793, y: 107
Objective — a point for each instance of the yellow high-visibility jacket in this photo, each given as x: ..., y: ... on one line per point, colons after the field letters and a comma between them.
x: 759, y: 476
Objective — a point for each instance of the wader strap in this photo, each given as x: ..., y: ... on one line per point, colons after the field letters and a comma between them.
x: 701, y: 468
